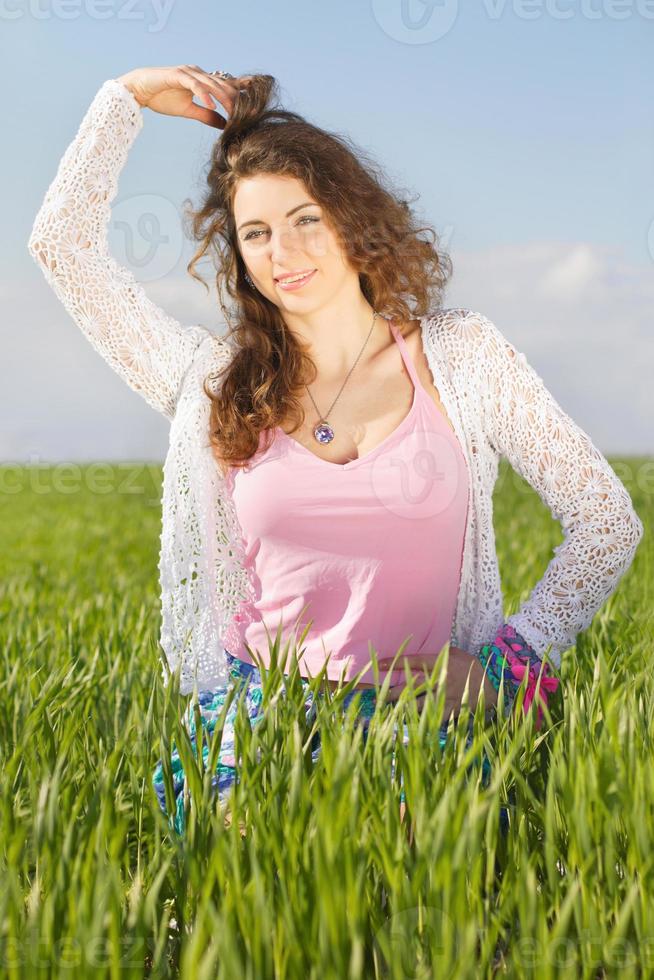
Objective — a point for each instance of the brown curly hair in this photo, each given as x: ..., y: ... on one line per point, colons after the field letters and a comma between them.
x: 401, y: 275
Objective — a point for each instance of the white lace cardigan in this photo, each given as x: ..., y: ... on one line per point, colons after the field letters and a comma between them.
x: 497, y: 403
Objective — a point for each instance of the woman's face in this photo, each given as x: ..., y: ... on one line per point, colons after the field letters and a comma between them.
x: 282, y: 231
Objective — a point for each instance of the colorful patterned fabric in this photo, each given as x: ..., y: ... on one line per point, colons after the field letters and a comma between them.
x: 509, y: 650
x: 211, y: 704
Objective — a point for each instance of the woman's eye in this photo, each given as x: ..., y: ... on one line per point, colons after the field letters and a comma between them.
x: 307, y: 217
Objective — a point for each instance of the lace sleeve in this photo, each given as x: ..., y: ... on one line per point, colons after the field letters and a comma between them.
x: 549, y: 450
x: 148, y: 348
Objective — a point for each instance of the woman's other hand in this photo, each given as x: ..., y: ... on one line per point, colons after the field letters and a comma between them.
x: 460, y: 663
x: 170, y: 91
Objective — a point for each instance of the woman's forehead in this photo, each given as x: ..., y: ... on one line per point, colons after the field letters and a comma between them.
x: 272, y: 193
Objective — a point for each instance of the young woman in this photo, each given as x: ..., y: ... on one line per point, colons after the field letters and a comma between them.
x: 335, y: 454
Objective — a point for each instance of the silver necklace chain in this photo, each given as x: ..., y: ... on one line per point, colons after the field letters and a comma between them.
x: 323, y: 432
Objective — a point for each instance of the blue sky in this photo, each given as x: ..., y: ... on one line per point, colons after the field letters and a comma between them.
x: 524, y: 127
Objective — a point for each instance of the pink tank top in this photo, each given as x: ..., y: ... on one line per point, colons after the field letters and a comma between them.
x: 368, y: 551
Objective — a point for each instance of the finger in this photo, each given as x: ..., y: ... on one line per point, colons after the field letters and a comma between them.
x: 418, y: 665
x: 197, y: 85
x: 395, y: 691
x: 397, y: 665
x: 208, y: 116
x: 236, y: 82
x: 223, y: 89
x: 232, y: 87
x: 421, y: 660
x: 194, y: 111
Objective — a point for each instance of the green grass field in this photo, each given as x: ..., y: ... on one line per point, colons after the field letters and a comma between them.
x: 326, y: 882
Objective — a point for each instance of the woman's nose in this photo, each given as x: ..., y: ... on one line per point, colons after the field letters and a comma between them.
x: 284, y: 242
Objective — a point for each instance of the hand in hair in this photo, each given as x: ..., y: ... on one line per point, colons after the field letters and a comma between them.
x: 170, y: 91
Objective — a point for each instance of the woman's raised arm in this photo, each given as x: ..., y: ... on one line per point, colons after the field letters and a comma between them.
x: 147, y: 347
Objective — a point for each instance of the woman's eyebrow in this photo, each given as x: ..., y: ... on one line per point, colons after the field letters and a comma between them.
x: 259, y: 221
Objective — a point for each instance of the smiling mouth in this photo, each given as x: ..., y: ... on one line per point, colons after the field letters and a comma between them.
x: 294, y: 283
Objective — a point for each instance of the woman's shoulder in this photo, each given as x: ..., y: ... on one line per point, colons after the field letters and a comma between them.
x: 459, y: 323
x: 461, y: 334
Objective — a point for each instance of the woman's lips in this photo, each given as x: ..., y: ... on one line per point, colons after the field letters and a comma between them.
x: 288, y: 287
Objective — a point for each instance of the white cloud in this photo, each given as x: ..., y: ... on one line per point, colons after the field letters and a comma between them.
x: 572, y: 274
x: 583, y: 316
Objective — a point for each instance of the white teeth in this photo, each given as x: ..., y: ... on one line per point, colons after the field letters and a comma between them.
x: 296, y: 278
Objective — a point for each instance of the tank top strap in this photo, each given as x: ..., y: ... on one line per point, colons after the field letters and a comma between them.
x: 406, y: 356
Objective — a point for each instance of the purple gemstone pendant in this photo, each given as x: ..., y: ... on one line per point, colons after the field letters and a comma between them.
x: 323, y: 433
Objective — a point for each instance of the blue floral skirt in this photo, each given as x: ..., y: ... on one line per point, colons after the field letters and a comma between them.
x: 211, y: 704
